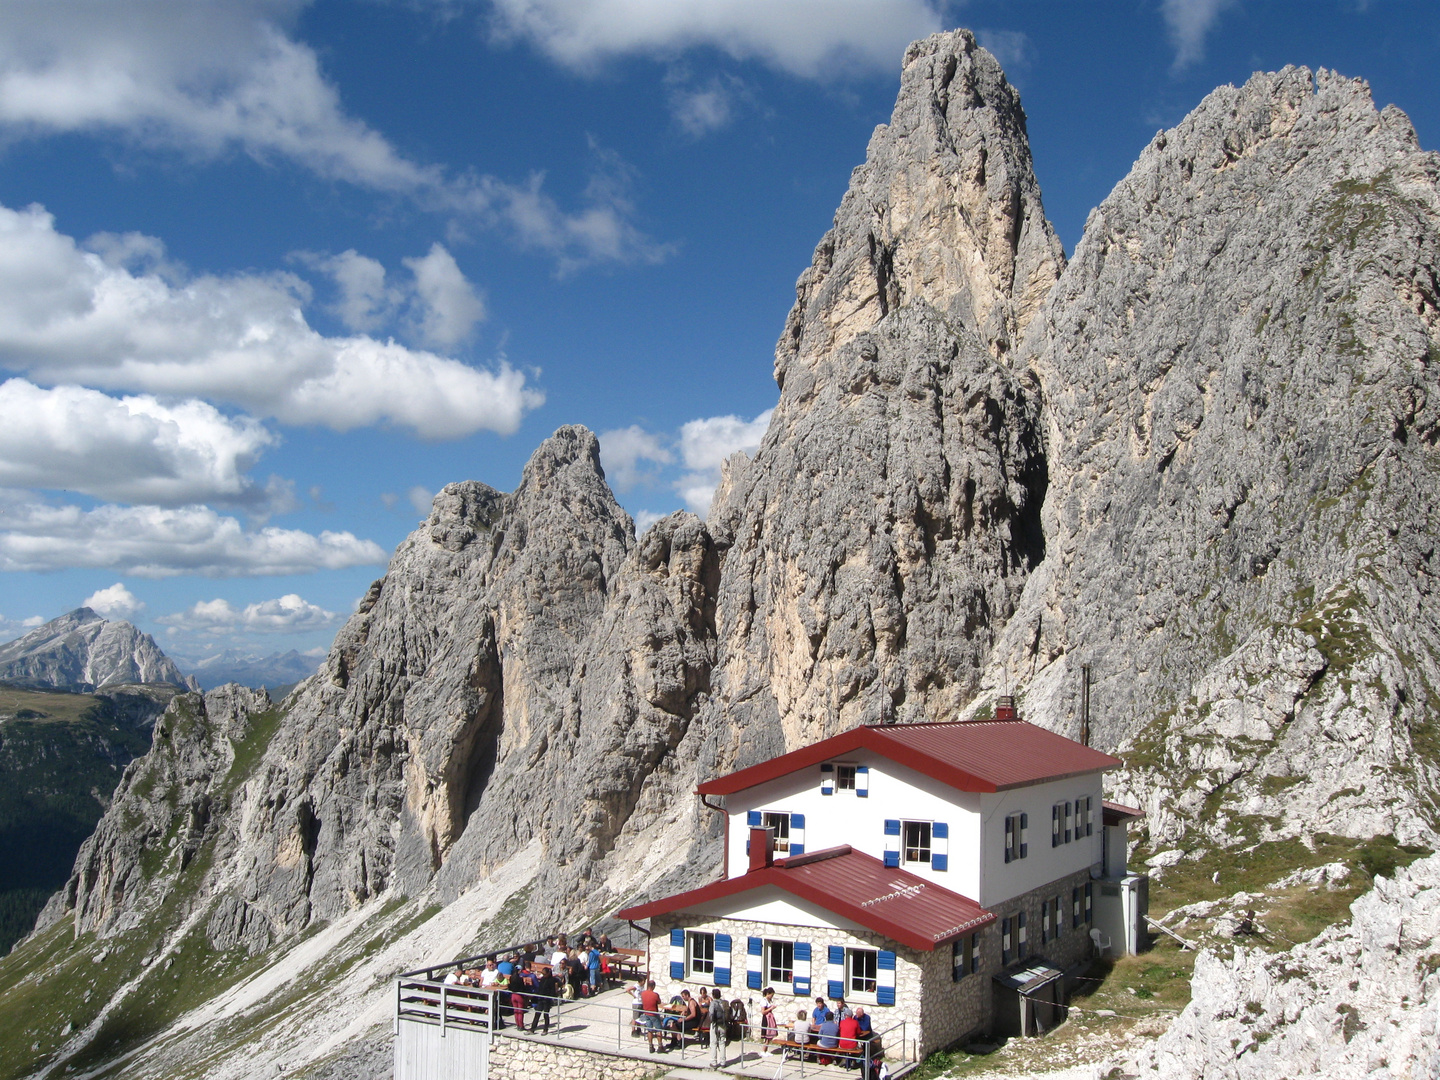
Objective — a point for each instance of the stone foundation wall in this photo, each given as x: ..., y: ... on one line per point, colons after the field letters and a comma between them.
x: 1069, y: 946
x: 519, y: 1059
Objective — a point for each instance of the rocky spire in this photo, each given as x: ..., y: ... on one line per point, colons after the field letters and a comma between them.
x: 885, y: 526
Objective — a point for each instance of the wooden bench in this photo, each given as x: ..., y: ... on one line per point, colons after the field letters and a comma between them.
x: 813, y: 1051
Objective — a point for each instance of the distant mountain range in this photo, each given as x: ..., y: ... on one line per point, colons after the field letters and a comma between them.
x: 249, y: 669
x: 82, y: 651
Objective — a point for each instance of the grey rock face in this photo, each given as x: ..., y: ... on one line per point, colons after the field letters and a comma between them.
x: 1239, y: 373
x: 170, y: 803
x: 80, y: 650
x: 887, y: 523
x: 1352, y: 1003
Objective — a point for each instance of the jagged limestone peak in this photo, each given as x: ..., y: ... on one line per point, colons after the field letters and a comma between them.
x: 946, y: 209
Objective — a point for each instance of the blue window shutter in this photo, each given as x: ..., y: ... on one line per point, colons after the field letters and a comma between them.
x: 892, y: 858
x: 752, y: 979
x: 797, y: 821
x: 834, y: 989
x: 939, y: 862
x: 723, y: 942
x: 862, y: 781
x: 796, y: 849
x: 677, y: 936
x: 827, y: 779
x: 892, y: 827
x: 1024, y: 826
x: 802, y: 951
x: 753, y: 946
x: 885, y: 994
x: 835, y: 954
x: 940, y: 830
x: 752, y: 819
x: 1055, y: 825
x: 677, y: 971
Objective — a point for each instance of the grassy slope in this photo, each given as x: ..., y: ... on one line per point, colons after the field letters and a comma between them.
x: 61, y: 756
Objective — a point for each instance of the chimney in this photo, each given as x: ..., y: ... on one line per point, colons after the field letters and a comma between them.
x: 1005, y: 707
x: 762, y: 848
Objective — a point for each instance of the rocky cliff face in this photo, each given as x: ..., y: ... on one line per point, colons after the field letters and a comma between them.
x: 1358, y: 1001
x: 82, y: 651
x: 883, y: 532
x: 1198, y: 459
x: 1240, y: 383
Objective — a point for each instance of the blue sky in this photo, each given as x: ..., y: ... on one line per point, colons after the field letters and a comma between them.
x: 273, y: 272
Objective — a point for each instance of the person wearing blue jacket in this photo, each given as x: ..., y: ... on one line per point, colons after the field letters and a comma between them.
x: 593, y: 962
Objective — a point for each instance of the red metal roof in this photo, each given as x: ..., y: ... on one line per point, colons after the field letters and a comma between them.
x: 983, y: 755
x: 858, y: 887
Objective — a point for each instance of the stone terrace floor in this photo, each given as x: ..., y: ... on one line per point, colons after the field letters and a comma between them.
x: 602, y: 1023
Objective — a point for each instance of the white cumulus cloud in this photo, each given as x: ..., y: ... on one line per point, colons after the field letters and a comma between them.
x: 134, y: 449
x: 1189, y: 23
x: 290, y: 614
x: 68, y: 315
x: 421, y: 499
x: 208, y: 79
x: 622, y: 451
x: 813, y: 38
x: 448, y: 307
x: 154, y: 542
x: 704, y: 446
x: 116, y: 602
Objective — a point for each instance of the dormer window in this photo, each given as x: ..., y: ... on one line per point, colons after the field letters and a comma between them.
x: 845, y: 777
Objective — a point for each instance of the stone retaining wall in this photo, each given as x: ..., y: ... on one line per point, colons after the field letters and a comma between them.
x: 521, y: 1059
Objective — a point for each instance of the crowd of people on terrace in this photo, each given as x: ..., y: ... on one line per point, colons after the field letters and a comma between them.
x: 539, y: 975
x: 829, y: 1026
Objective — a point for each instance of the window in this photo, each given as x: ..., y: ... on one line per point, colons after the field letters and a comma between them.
x: 1084, y: 819
x: 1017, y: 830
x: 781, y: 824
x: 780, y: 962
x: 1005, y: 940
x: 1063, y: 826
x: 700, y: 953
x: 965, y: 956
x: 1022, y: 949
x: 1075, y: 908
x: 917, y: 841
x: 861, y: 971
x: 844, y: 777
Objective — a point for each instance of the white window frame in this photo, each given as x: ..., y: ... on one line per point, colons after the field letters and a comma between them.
x: 776, y: 819
x: 845, y: 770
x: 693, y: 971
x: 867, y: 997
x: 769, y: 979
x: 929, y: 842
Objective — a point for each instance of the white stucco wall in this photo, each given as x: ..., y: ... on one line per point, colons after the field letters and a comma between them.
x: 977, y: 866
x: 1000, y: 880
